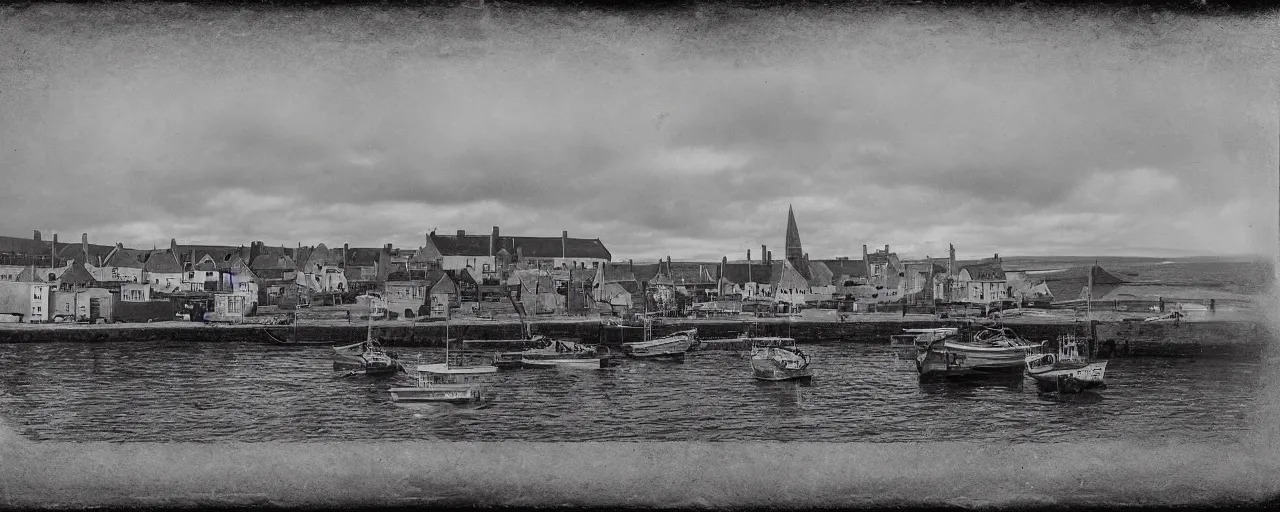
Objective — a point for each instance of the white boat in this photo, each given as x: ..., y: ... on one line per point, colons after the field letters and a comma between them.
x: 561, y: 354
x: 906, y: 346
x: 673, y: 346
x: 775, y: 358
x: 991, y: 351
x: 1068, y: 371
x: 454, y: 381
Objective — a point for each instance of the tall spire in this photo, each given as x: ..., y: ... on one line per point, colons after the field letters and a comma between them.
x: 794, y: 251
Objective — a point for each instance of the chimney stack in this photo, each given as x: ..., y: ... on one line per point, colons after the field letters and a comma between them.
x: 84, y: 245
x: 173, y: 246
x: 886, y: 249
x: 462, y: 233
x: 37, y: 235
x: 55, y: 239
x: 997, y: 258
x: 493, y: 242
x: 951, y: 261
x: 764, y: 254
x: 564, y: 244
x: 768, y: 257
x: 631, y: 265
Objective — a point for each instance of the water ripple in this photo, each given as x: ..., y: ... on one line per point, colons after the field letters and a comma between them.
x: 173, y: 391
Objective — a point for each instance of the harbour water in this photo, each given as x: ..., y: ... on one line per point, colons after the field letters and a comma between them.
x: 210, y: 392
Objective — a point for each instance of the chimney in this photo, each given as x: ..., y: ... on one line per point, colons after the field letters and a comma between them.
x: 564, y: 244
x: 55, y: 239
x: 997, y: 257
x: 84, y: 245
x: 255, y: 250
x: 764, y: 254
x: 173, y: 246
x: 493, y: 242
x: 386, y: 248
x: 631, y: 265
x: 748, y: 255
x: 37, y: 235
x: 864, y: 252
x: 119, y: 245
x: 951, y: 261
x: 461, y: 233
x: 886, y: 249
x: 724, y: 260
x: 768, y: 257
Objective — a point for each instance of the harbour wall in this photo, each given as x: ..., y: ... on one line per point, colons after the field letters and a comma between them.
x: 1137, y: 339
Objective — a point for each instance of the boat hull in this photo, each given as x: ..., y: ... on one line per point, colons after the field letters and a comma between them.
x: 1056, y: 379
x: 775, y: 365
x: 954, y: 360
x: 458, y: 394
x: 574, y: 363
x: 669, y: 347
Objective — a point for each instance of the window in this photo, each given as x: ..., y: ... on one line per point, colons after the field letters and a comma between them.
x: 191, y: 275
x: 208, y: 274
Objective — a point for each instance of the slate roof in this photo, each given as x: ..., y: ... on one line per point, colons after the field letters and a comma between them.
x: 77, y: 275
x: 820, y: 274
x: 1070, y: 285
x: 618, y: 272
x: 842, y: 268
x: 362, y: 256
x: 985, y: 271
x: 162, y: 262
x: 127, y: 258
x: 528, y: 246
x: 742, y: 273
x: 691, y: 272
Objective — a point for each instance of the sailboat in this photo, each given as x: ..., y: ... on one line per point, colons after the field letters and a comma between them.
x: 292, y: 338
x: 774, y: 357
x: 673, y: 346
x: 453, y: 381
x: 1070, y: 370
x: 366, y: 357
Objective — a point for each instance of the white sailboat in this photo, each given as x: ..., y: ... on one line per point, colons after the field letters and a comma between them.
x: 453, y: 381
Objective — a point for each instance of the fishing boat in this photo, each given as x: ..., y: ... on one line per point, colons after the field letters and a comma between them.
x: 673, y: 346
x: 1068, y: 371
x: 990, y: 351
x: 366, y: 357
x: 565, y: 354
x: 778, y: 359
x: 906, y: 346
x: 458, y: 379
x: 292, y: 338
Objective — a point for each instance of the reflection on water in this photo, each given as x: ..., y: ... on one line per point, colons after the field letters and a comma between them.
x: 175, y: 391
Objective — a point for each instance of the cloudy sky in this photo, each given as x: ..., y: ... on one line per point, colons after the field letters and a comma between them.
x: 684, y: 133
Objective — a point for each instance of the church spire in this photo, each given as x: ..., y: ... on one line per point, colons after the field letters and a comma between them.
x: 794, y: 251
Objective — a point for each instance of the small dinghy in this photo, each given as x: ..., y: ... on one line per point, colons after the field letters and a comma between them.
x: 778, y: 359
x: 1068, y: 371
x: 292, y: 339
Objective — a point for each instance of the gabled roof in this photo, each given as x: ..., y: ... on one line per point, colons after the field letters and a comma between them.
x: 1073, y: 283
x: 743, y: 273
x: 162, y: 262
x: 645, y: 272
x: 617, y: 272
x: 77, y: 275
x: 205, y: 266
x: 820, y: 274
x: 989, y: 270
x: 27, y: 276
x: 468, y: 245
x: 272, y: 262
x: 126, y: 258
x: 96, y: 253
x: 363, y: 256
x: 691, y: 272
x: 845, y: 268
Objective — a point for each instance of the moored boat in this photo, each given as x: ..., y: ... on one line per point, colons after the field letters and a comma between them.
x: 990, y: 351
x: 906, y: 346
x: 564, y: 354
x: 1068, y: 371
x: 459, y: 379
x: 366, y: 357
x: 775, y: 358
x: 672, y: 346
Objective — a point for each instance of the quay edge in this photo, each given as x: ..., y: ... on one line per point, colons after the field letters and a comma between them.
x: 1188, y: 339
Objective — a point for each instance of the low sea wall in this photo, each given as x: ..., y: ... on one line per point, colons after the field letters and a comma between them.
x: 1187, y: 339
